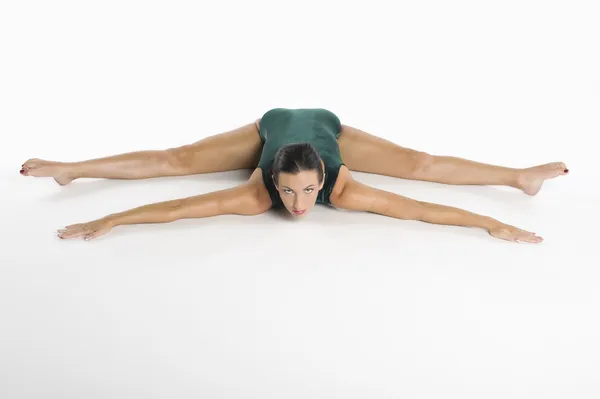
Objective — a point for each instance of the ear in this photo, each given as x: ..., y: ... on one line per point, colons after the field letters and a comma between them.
x: 322, y: 183
x: 275, y: 184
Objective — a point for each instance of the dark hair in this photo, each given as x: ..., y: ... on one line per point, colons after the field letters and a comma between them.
x: 297, y: 157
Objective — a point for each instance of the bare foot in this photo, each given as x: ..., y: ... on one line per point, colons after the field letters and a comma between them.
x: 531, y: 179
x: 40, y: 168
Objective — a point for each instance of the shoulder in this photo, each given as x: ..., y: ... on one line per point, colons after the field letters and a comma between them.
x: 272, y: 111
x: 264, y: 191
x: 354, y: 195
x: 344, y: 178
x: 257, y: 191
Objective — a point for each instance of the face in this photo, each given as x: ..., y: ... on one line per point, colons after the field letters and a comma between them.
x: 299, y: 191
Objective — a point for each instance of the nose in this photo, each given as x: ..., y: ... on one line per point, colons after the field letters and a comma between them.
x: 298, y: 205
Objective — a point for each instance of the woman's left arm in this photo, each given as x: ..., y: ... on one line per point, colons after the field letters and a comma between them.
x: 360, y: 197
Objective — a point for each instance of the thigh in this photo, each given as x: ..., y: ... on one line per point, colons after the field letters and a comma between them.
x: 235, y: 149
x: 365, y: 152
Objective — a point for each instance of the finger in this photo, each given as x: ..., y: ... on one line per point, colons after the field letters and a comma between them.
x: 528, y: 233
x: 529, y: 237
x: 523, y: 230
x: 74, y: 232
x: 70, y: 234
x: 507, y: 237
x: 534, y: 239
x: 90, y: 236
x: 74, y: 225
x: 94, y: 234
x: 69, y: 227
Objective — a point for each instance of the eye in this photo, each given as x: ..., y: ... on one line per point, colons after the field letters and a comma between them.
x: 287, y: 191
x: 309, y: 190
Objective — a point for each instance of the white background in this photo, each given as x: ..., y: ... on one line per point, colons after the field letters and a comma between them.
x: 338, y: 305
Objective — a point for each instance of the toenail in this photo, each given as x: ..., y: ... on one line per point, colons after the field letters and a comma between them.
x: 22, y: 170
x: 566, y: 170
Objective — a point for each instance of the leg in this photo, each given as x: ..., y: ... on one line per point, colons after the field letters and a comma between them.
x: 236, y: 149
x: 364, y: 152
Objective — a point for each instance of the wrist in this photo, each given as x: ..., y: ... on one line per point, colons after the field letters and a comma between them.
x: 111, y: 220
x: 491, y: 223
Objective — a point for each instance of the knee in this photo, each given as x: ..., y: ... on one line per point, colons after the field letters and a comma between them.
x: 179, y: 158
x: 422, y: 161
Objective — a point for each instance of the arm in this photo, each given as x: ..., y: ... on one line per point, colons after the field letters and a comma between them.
x: 357, y: 196
x: 241, y: 200
x: 246, y: 199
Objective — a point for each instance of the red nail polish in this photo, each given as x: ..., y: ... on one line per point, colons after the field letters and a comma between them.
x: 566, y: 170
x: 22, y: 170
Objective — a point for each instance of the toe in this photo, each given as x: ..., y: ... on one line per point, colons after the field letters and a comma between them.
x: 555, y: 166
x: 555, y: 169
x: 32, y: 163
x: 561, y: 167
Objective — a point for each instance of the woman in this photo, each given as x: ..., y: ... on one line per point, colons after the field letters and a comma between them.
x: 300, y: 157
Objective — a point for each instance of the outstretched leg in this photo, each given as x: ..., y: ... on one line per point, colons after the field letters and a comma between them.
x: 364, y: 152
x: 236, y: 149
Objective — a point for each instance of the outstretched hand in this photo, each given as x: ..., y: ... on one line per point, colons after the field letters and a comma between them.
x: 88, y: 231
x: 512, y: 233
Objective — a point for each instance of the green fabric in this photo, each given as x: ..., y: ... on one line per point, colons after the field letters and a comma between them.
x: 317, y: 126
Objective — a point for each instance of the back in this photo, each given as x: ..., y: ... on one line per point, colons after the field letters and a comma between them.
x: 317, y: 126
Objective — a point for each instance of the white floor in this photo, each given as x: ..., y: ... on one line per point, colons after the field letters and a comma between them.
x: 339, y: 305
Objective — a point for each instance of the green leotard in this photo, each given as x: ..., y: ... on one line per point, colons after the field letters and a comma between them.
x: 317, y: 126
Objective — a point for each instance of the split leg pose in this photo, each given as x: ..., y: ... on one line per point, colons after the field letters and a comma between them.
x: 295, y: 177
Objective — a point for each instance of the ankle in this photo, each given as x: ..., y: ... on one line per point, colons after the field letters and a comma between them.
x: 69, y: 170
x: 519, y: 179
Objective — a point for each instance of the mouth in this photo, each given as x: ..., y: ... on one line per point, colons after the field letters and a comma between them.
x: 298, y: 212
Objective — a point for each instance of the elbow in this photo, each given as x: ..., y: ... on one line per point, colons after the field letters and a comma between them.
x: 255, y: 203
x: 253, y: 209
x: 420, y: 211
x: 172, y: 211
x: 428, y: 212
x: 245, y: 200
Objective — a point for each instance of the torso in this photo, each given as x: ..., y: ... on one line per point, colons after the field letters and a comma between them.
x: 321, y: 128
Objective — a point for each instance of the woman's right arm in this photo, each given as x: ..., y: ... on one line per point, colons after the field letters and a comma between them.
x: 246, y: 199
x: 240, y: 200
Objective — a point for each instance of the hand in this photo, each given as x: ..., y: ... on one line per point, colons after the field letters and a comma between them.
x: 511, y: 233
x: 89, y: 230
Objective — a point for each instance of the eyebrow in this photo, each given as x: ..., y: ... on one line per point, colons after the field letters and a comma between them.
x: 304, y: 187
